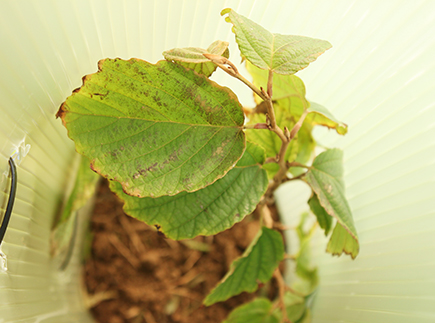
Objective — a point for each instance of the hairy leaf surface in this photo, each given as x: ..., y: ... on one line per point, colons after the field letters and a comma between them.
x: 257, y: 264
x: 193, y: 58
x: 341, y: 241
x: 282, y: 54
x: 321, y: 116
x: 260, y: 310
x: 208, y: 211
x: 326, y: 180
x: 158, y: 129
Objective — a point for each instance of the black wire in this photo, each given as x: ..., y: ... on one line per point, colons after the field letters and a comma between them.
x: 11, y: 199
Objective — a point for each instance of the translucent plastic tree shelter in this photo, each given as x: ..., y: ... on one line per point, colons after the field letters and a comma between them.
x: 378, y: 78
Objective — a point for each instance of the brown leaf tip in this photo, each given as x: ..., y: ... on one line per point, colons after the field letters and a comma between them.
x: 95, y: 169
x: 61, y: 112
x: 100, y: 64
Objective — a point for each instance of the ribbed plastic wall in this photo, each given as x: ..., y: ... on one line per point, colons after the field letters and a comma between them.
x: 378, y: 78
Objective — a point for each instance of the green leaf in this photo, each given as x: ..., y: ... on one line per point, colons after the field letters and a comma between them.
x: 307, y: 273
x: 157, y: 129
x: 306, y: 318
x: 62, y: 236
x: 306, y: 144
x: 295, y: 306
x: 253, y: 155
x: 260, y: 310
x: 282, y: 54
x: 83, y: 189
x: 193, y: 58
x: 326, y: 179
x: 341, y: 241
x: 303, y: 263
x: 289, y: 87
x: 208, y: 211
x: 324, y: 219
x: 304, y: 269
x: 257, y: 264
x: 321, y: 116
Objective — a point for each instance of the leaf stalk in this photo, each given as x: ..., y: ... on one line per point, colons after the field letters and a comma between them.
x: 232, y: 70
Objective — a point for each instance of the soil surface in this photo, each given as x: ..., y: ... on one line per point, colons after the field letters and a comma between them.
x: 134, y: 274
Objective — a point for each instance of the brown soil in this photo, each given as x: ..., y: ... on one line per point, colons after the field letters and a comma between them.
x: 136, y: 275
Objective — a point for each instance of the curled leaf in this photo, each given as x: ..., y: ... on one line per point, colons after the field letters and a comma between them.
x: 342, y: 241
x: 194, y: 57
x: 326, y: 179
x: 319, y: 115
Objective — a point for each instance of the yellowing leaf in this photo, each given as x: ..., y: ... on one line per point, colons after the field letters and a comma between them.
x: 341, y: 241
x: 319, y: 115
x: 158, y: 129
x: 193, y: 58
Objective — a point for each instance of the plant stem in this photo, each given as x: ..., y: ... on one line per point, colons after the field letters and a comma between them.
x: 270, y: 84
x: 256, y: 126
x: 294, y: 178
x: 282, y: 288
x: 220, y: 61
x: 266, y: 216
x: 296, y: 164
x: 281, y: 175
x: 291, y: 290
x: 286, y: 136
x: 232, y: 70
x: 271, y: 112
x: 270, y: 160
x: 290, y: 257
